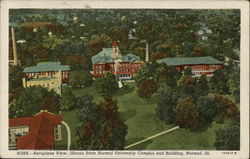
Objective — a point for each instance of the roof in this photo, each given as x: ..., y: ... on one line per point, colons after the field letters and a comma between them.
x: 47, y: 66
x: 105, y: 56
x: 189, y: 61
x: 41, y: 130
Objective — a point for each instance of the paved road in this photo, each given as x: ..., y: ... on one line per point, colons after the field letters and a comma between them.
x: 151, y: 137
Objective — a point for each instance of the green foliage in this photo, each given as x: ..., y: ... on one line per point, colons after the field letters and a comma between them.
x: 207, y: 107
x: 104, y: 130
x: 160, y: 73
x: 186, y: 86
x: 107, y: 85
x: 187, y: 71
x: 146, y: 89
x: 68, y: 99
x: 41, y: 99
x: 229, y: 138
x: 227, y: 110
x: 147, y: 72
x: 219, y: 82
x: 166, y: 103
x: 234, y: 83
x: 79, y: 79
x: 202, y: 87
x: 15, y: 82
x: 173, y: 32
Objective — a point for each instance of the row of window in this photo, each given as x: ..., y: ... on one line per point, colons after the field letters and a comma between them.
x: 100, y: 67
x: 124, y: 75
x: 200, y: 73
x: 119, y: 70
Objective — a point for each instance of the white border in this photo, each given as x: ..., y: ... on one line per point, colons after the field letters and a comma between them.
x: 154, y: 4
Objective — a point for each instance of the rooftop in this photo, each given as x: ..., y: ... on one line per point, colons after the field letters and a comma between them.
x: 41, y: 130
x: 105, y: 56
x: 47, y: 66
x: 189, y: 61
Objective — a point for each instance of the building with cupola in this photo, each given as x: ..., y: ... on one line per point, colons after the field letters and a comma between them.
x: 112, y: 60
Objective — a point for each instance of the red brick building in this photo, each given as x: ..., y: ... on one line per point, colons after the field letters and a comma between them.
x: 111, y: 60
x: 47, y: 69
x: 37, y: 132
x: 199, y: 65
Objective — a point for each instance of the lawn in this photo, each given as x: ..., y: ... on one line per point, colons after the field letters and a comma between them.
x: 139, y: 115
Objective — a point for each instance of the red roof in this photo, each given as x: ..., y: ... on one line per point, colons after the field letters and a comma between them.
x: 41, y: 130
x: 115, y: 43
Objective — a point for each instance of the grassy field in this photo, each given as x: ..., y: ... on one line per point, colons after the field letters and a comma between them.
x: 139, y: 115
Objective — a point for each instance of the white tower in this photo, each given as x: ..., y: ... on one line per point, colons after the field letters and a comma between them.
x: 147, y: 53
x: 15, y: 61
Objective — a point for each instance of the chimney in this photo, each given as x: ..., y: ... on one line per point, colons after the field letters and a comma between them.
x: 14, y: 47
x: 147, y: 54
x: 24, y: 82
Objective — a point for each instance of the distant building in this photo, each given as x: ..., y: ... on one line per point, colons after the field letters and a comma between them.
x: 47, y: 69
x: 49, y: 75
x: 38, y: 132
x: 199, y: 65
x: 51, y: 83
x: 111, y: 60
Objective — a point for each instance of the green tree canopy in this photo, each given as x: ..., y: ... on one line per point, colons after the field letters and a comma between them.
x: 41, y: 99
x: 107, y: 85
x: 104, y: 130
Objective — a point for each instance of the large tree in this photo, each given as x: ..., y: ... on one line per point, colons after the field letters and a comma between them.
x: 106, y: 85
x: 207, y: 107
x: 186, y: 86
x: 166, y: 103
x: 103, y: 130
x: 15, y: 82
x: 219, y: 82
x: 79, y: 79
x: 146, y: 89
x: 201, y: 87
x: 187, y: 115
x: 68, y: 99
x: 227, y: 110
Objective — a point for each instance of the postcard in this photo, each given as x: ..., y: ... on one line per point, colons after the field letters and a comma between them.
x: 124, y: 79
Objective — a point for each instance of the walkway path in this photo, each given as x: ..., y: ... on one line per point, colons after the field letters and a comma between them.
x: 151, y: 137
x: 69, y: 134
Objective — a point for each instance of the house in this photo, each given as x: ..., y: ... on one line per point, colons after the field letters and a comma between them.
x: 199, y: 65
x: 111, y: 60
x: 47, y: 69
x: 38, y: 132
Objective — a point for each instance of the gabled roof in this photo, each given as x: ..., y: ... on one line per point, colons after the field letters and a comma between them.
x: 105, y: 56
x: 41, y: 130
x: 47, y: 66
x: 189, y: 61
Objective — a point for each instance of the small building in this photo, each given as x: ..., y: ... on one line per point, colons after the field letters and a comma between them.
x: 38, y: 132
x: 47, y: 69
x: 111, y: 60
x: 199, y: 65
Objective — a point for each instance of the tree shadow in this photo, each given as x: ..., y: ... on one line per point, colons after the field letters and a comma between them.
x: 202, y: 129
x: 124, y: 90
x: 124, y: 116
x: 141, y: 146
